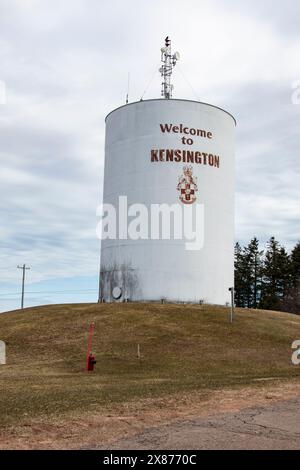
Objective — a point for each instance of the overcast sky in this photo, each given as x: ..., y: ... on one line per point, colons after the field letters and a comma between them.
x: 65, y: 65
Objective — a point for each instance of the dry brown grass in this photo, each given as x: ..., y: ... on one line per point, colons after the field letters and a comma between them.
x: 185, y: 350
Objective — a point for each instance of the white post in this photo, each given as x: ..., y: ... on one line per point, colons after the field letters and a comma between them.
x: 2, y: 353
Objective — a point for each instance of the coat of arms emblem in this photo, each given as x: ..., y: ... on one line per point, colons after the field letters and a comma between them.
x: 187, y: 186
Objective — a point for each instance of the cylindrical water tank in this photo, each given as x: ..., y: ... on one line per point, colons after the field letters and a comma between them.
x: 168, y: 156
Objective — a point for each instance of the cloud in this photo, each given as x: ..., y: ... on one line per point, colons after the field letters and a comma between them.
x: 65, y: 65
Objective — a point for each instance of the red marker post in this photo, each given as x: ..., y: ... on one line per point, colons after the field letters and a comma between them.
x: 91, y: 334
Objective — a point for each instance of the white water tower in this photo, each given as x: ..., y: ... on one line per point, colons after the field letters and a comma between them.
x: 176, y: 154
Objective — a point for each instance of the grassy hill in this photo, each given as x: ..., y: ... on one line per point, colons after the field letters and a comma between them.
x: 183, y: 348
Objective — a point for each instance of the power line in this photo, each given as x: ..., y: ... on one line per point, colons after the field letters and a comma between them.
x: 149, y: 83
x: 189, y: 83
x: 51, y: 292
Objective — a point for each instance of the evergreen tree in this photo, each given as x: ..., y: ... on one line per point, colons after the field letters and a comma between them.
x: 248, y: 274
x: 270, y: 280
x: 291, y: 301
x: 295, y: 264
x: 276, y: 275
x: 255, y: 272
x: 238, y: 278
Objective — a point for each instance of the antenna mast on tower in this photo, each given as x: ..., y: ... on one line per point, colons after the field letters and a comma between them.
x: 169, y: 61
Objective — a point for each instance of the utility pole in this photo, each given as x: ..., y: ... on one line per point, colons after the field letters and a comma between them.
x: 24, y: 267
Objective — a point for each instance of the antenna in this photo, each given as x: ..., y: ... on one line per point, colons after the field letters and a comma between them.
x: 169, y: 61
x: 127, y: 88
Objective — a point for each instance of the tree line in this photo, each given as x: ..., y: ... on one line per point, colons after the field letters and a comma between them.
x: 267, y: 279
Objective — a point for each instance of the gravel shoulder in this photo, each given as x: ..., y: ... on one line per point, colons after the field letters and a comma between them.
x: 275, y: 426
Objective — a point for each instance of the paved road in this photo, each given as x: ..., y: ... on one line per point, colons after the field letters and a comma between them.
x: 276, y: 426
